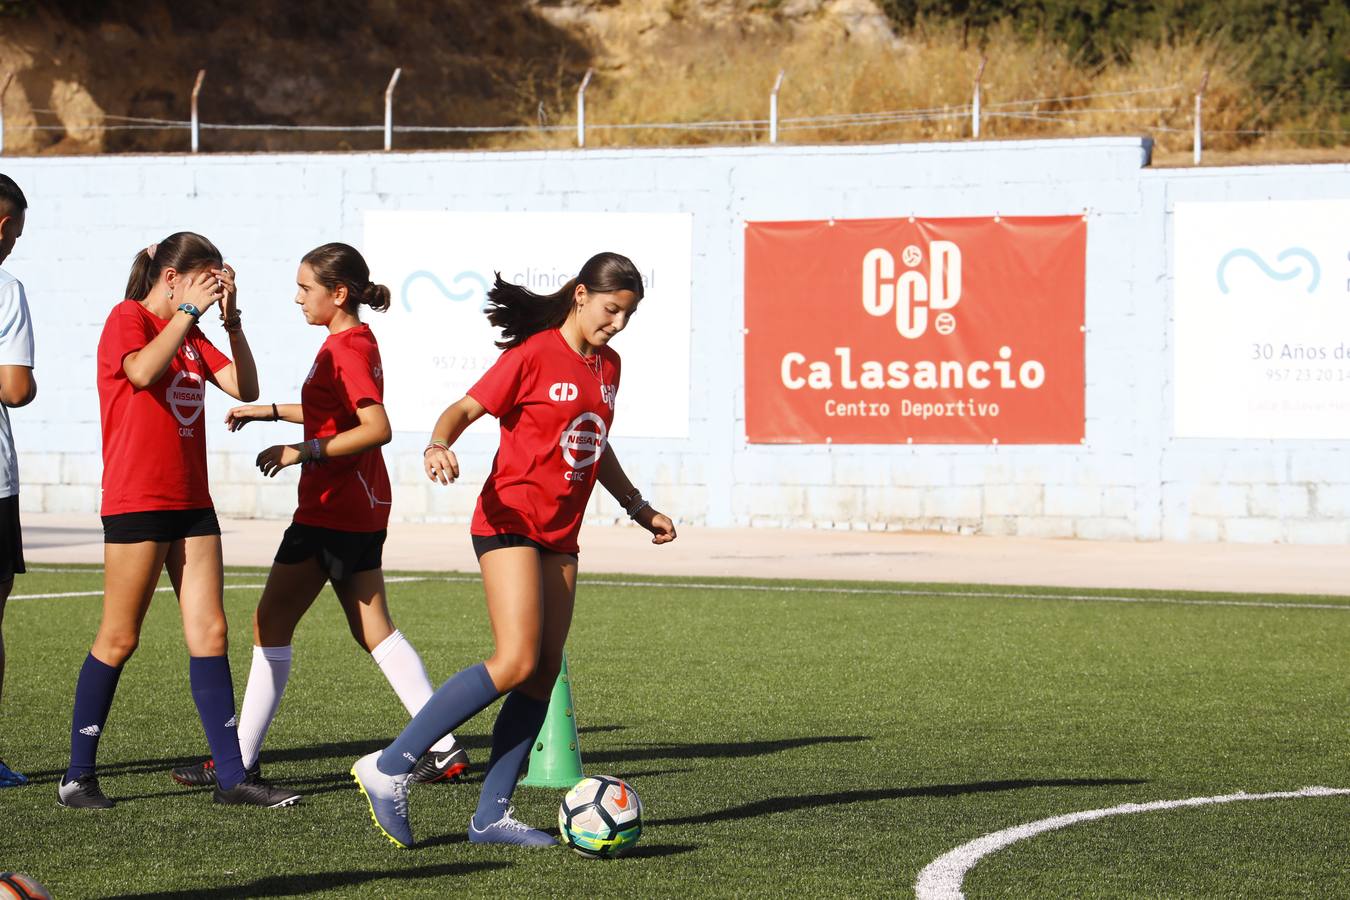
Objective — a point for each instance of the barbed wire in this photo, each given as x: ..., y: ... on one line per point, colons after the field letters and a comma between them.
x: 1017, y: 110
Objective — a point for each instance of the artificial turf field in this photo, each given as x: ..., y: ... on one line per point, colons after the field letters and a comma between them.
x: 787, y: 738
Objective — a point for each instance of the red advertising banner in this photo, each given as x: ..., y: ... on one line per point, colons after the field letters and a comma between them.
x: 884, y: 331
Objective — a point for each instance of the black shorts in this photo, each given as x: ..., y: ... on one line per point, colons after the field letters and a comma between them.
x: 159, y: 525
x: 11, y: 539
x: 483, y: 543
x: 339, y: 553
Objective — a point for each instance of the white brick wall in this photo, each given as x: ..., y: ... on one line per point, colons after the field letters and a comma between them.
x: 1129, y: 480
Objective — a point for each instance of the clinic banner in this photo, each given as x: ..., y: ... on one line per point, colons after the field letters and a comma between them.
x: 1261, y: 320
x: 435, y: 341
x: 885, y: 331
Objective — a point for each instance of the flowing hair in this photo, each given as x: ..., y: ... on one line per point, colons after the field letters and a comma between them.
x: 519, y: 312
x: 184, y: 251
x: 338, y: 263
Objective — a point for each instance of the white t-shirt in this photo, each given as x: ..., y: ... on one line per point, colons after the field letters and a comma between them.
x: 16, y: 349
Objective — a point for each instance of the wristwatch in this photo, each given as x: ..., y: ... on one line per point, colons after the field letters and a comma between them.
x: 190, y: 310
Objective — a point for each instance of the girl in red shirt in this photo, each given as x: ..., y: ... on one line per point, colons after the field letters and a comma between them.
x: 153, y: 366
x: 553, y: 391
x: 338, y: 531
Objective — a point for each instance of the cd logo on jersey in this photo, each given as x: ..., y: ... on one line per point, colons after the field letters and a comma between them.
x: 562, y: 391
x: 186, y: 396
x: 583, y: 441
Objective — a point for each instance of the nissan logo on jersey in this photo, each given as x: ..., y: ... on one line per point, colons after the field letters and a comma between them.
x: 186, y: 395
x: 583, y: 442
x: 562, y: 391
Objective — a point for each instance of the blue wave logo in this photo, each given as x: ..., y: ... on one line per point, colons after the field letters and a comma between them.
x: 1272, y: 273
x: 467, y: 285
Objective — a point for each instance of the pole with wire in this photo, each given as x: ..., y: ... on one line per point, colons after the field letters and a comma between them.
x: 581, y: 108
x: 1196, y: 141
x: 975, y: 101
x: 773, y: 108
x: 196, y: 122
x: 389, y: 110
x: 4, y: 86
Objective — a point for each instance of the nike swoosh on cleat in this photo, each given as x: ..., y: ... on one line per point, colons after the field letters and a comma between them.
x: 440, y: 761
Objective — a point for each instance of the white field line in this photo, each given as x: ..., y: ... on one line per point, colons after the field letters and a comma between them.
x: 792, y: 589
x: 167, y: 589
x: 942, y: 878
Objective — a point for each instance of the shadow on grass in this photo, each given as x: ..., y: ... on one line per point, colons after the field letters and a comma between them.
x: 291, y: 885
x: 795, y: 802
x: 656, y: 851
x: 347, y: 751
x: 730, y: 750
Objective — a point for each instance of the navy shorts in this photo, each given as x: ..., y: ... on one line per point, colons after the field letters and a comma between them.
x: 159, y: 525
x: 11, y: 539
x: 339, y: 553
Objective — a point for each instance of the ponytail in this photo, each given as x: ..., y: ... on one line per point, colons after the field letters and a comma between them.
x: 184, y: 251
x: 519, y: 312
x: 339, y: 263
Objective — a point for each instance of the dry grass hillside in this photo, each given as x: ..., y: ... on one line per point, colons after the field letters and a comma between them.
x: 85, y: 80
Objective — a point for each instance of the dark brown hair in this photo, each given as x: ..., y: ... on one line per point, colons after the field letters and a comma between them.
x: 336, y: 263
x: 182, y: 250
x: 12, y: 200
x: 519, y: 312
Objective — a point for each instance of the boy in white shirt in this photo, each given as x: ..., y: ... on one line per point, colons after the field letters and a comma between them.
x: 17, y: 388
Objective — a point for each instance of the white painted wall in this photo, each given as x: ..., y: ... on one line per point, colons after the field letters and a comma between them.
x: 1129, y: 480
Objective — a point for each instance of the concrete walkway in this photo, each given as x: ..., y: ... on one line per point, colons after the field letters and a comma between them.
x: 770, y: 553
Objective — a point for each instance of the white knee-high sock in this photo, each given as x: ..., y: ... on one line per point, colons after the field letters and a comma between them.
x: 266, y: 683
x: 399, y: 661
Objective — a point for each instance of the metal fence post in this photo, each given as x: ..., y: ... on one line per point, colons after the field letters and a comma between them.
x: 196, y: 124
x: 1196, y: 141
x: 773, y: 108
x: 975, y: 102
x: 581, y: 109
x: 389, y: 109
x: 9, y: 76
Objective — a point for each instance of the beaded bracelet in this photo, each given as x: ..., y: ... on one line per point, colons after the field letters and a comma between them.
x: 633, y: 513
x: 441, y: 444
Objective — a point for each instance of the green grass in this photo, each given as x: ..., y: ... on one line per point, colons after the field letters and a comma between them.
x: 786, y: 738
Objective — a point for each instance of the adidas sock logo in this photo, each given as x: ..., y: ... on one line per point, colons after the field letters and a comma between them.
x: 234, y: 722
x: 90, y: 731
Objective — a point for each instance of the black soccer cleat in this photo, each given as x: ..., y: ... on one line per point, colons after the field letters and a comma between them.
x: 82, y: 793
x: 253, y: 791
x: 204, y: 774
x: 449, y: 766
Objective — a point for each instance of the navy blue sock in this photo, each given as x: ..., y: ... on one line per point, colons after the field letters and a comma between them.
x: 513, y: 734
x: 93, y: 698
x: 213, y: 692
x: 465, y: 695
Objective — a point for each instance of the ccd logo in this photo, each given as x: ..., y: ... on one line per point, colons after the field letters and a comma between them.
x: 912, y: 295
x: 562, y: 391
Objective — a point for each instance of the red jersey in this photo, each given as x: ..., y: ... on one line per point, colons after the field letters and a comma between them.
x: 555, y: 407
x: 345, y: 493
x: 154, y: 440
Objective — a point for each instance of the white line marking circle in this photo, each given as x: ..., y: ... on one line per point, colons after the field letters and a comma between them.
x: 941, y: 879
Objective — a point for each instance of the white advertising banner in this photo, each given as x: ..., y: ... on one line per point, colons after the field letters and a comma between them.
x: 435, y: 341
x: 1262, y: 319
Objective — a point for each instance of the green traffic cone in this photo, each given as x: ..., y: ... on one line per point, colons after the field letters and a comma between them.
x: 555, y: 761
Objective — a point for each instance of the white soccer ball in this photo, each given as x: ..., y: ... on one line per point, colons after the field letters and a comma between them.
x: 601, y: 817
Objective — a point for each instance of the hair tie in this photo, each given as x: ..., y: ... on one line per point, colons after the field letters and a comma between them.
x: 150, y: 251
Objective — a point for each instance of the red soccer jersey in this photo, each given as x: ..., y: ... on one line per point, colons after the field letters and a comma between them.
x: 154, y: 440
x: 555, y: 408
x: 345, y: 493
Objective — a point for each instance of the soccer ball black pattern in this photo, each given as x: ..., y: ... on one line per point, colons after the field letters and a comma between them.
x: 601, y: 817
